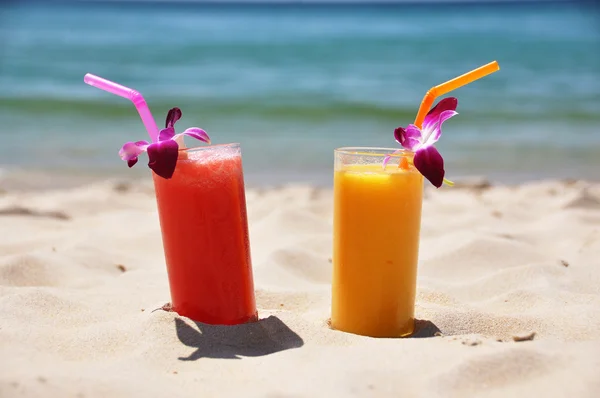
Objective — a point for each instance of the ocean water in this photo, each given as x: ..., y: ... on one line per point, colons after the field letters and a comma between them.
x: 292, y: 82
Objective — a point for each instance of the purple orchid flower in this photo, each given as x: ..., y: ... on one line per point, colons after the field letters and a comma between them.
x: 427, y: 159
x: 162, y: 155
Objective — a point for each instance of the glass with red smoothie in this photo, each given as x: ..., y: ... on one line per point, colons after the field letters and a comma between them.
x: 202, y: 212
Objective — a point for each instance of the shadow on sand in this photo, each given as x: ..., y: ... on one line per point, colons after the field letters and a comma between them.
x: 264, y: 337
x: 425, y: 328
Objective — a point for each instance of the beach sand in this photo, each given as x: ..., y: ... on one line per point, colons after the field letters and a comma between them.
x: 508, y: 300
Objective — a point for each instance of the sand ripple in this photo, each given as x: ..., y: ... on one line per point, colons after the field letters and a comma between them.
x: 508, y: 300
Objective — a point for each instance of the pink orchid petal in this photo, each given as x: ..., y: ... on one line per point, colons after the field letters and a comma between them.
x: 173, y: 116
x: 399, y: 134
x: 131, y: 150
x: 163, y: 157
x: 387, y: 158
x: 430, y: 163
x: 197, y: 133
x: 447, y: 104
x: 409, y: 138
x: 406, y: 137
x: 434, y: 136
x: 132, y: 162
x: 166, y: 134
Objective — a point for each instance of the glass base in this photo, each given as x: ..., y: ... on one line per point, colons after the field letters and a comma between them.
x: 406, y: 331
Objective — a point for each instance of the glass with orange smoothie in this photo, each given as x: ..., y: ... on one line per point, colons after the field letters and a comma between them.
x: 377, y: 219
x: 378, y: 195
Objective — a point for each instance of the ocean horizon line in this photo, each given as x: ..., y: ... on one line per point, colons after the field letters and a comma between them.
x: 318, y: 2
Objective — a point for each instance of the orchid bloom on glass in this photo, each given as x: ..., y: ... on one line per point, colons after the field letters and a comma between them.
x: 162, y: 155
x: 427, y: 159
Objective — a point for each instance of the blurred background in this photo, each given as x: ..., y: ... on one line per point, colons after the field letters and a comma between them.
x: 292, y: 81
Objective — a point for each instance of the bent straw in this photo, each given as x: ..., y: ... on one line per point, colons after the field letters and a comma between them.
x: 450, y: 85
x: 138, y: 101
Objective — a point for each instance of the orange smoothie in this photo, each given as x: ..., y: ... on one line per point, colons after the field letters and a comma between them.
x: 202, y: 212
x: 377, y: 219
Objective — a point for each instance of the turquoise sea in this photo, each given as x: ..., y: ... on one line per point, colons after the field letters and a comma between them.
x: 291, y: 82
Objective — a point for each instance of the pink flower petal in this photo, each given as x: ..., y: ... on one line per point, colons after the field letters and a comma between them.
x: 132, y: 162
x: 173, y: 116
x: 197, y: 133
x: 131, y: 150
x: 409, y: 138
x: 163, y: 157
x: 447, y: 104
x: 436, y: 133
x: 166, y: 134
x: 430, y: 163
x: 387, y: 158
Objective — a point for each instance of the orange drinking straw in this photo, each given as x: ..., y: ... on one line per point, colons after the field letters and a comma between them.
x: 450, y: 85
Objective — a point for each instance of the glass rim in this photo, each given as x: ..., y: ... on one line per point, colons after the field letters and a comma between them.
x: 212, y: 146
x: 372, y: 151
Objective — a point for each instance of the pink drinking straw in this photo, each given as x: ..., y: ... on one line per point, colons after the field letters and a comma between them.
x: 138, y: 101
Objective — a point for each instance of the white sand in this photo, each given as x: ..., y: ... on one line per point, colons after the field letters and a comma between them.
x: 495, y: 263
